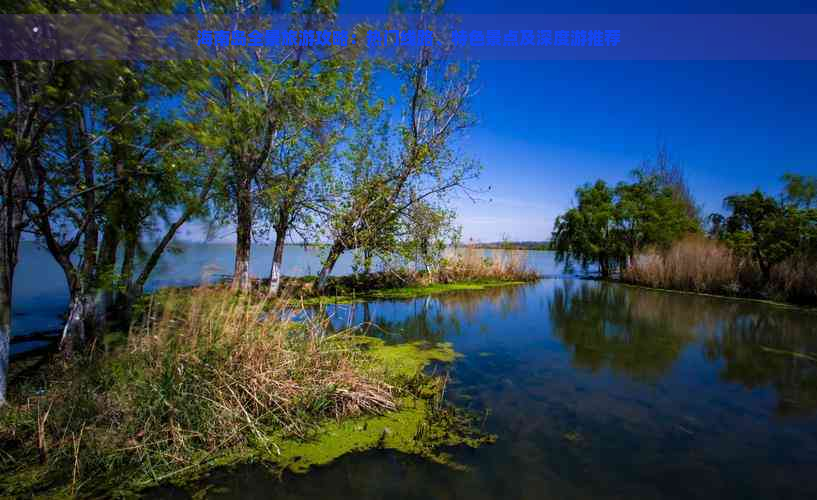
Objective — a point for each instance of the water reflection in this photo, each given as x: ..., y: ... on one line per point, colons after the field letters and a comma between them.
x: 769, y: 349
x: 430, y: 318
x: 641, y: 333
x: 637, y: 334
x: 597, y: 391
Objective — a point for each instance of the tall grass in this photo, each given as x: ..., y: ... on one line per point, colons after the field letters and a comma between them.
x: 458, y: 265
x: 796, y: 279
x: 700, y: 264
x: 694, y: 263
x: 206, y: 371
x: 474, y: 264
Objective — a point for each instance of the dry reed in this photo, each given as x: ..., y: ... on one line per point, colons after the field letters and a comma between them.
x: 475, y: 264
x: 204, y: 372
x: 700, y: 264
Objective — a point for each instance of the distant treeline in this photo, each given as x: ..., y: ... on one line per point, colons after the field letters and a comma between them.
x: 650, y: 231
x: 514, y: 245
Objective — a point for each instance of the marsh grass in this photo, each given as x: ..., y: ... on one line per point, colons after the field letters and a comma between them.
x: 703, y: 265
x: 462, y: 266
x: 204, y: 373
x: 474, y: 264
x: 694, y: 264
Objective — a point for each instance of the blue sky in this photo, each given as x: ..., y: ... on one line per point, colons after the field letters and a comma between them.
x: 546, y: 127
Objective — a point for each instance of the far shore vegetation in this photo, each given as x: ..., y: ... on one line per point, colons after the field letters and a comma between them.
x: 650, y: 232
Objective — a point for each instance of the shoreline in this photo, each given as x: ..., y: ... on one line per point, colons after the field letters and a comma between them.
x: 768, y: 302
x: 418, y: 421
x: 403, y: 293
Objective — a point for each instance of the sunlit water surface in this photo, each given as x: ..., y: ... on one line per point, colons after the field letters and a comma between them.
x: 594, y: 390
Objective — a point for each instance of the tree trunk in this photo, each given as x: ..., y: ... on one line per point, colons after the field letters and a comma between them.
x: 124, y: 301
x: 105, y: 273
x: 5, y: 339
x: 367, y: 261
x: 74, y: 332
x: 12, y: 199
x: 241, y: 273
x: 277, y: 261
x: 139, y: 283
x: 329, y: 264
x: 604, y: 264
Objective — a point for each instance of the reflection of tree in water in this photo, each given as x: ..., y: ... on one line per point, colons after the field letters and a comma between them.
x: 761, y: 349
x: 635, y: 334
x: 641, y: 332
x: 432, y: 318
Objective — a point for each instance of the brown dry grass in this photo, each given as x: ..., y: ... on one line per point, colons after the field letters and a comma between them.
x: 694, y: 263
x: 476, y: 264
x: 700, y: 264
x: 206, y: 371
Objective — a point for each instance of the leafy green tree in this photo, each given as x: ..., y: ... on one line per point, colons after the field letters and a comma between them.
x: 610, y: 225
x: 428, y: 231
x: 649, y: 213
x: 667, y: 172
x: 246, y: 100
x: 417, y: 163
x: 293, y: 180
x: 801, y: 190
x: 760, y: 227
x: 585, y: 233
x: 28, y: 90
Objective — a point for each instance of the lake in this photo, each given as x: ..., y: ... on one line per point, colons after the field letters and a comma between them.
x: 41, y: 295
x: 594, y: 390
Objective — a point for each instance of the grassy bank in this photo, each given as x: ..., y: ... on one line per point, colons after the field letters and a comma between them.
x: 701, y: 265
x: 464, y: 269
x: 208, y: 379
x: 351, y: 292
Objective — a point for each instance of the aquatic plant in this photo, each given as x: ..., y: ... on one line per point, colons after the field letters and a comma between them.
x: 210, y: 378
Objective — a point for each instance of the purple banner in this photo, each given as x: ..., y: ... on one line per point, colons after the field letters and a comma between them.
x: 477, y: 37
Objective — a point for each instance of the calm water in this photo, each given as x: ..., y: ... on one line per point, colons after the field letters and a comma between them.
x: 41, y: 295
x: 594, y: 390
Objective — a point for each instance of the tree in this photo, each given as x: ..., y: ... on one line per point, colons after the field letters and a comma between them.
x: 292, y: 182
x: 801, y: 190
x: 28, y: 113
x: 760, y: 227
x: 79, y: 185
x: 611, y: 225
x: 246, y: 99
x: 648, y: 212
x: 668, y: 173
x: 585, y: 233
x: 382, y: 179
x: 769, y: 231
x: 428, y: 231
x: 33, y: 94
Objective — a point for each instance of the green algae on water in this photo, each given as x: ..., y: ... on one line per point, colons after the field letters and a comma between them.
x: 423, y: 424
x: 404, y: 293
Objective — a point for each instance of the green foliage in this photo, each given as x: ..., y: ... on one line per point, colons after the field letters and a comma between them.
x: 610, y: 225
x: 212, y: 379
x: 769, y: 231
x: 801, y: 190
